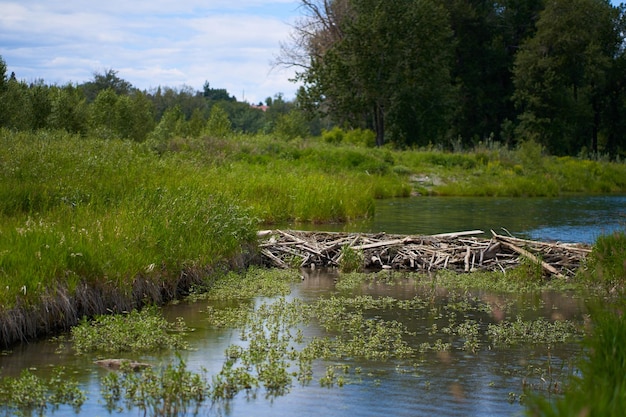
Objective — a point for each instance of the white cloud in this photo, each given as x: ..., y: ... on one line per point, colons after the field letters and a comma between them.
x: 150, y: 43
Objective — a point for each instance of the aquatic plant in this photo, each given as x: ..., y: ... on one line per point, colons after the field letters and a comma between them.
x: 138, y: 331
x: 606, y: 266
x: 253, y: 282
x: 350, y: 260
x: 28, y: 393
x: 539, y: 331
x: 168, y: 391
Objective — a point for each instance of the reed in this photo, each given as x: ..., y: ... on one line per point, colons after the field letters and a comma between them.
x: 606, y: 266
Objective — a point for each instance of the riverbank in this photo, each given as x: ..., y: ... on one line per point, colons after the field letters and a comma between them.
x: 92, y: 225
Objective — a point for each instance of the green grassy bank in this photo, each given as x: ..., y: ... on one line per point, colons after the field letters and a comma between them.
x: 90, y: 225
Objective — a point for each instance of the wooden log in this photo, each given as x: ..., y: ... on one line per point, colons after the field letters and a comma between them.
x: 457, y: 234
x: 117, y: 364
x: 549, y: 268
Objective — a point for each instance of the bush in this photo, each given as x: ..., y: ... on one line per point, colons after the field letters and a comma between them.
x: 334, y: 136
x: 361, y: 137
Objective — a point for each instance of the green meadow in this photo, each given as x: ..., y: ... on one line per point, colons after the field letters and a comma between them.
x: 90, y: 225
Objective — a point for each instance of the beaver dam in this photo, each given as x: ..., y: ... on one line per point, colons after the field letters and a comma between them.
x: 460, y: 251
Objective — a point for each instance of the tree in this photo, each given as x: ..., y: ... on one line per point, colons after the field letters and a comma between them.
x: 218, y: 125
x: 103, y: 120
x: 107, y: 80
x: 561, y: 73
x: 379, y: 64
x: 68, y: 109
x: 215, y: 94
x: 487, y: 36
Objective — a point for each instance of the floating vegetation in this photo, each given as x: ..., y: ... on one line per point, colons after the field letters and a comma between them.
x: 170, y: 391
x: 539, y: 331
x: 352, y: 335
x: 29, y: 394
x: 137, y: 331
x: 255, y: 282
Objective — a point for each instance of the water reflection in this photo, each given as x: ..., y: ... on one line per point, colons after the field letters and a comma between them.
x: 577, y: 219
x: 452, y: 383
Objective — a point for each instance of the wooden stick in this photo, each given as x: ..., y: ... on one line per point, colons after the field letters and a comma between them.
x: 456, y: 234
x: 533, y: 258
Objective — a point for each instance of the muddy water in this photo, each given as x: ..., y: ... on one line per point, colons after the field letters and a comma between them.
x: 453, y: 383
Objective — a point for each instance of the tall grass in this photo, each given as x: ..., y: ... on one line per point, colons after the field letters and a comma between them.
x: 606, y: 266
x: 78, y: 211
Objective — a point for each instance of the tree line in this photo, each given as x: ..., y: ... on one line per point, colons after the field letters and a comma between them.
x: 459, y: 72
x: 109, y: 107
x: 447, y: 73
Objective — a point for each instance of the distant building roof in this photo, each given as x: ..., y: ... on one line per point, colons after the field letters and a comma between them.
x: 262, y: 107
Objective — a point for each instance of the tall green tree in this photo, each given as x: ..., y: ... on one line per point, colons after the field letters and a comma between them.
x: 69, y: 109
x: 613, y: 131
x: 561, y: 74
x: 380, y: 64
x: 109, y: 80
x: 487, y: 36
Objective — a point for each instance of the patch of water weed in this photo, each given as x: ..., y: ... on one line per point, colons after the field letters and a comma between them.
x: 521, y: 279
x: 254, y: 282
x: 276, y: 352
x: 171, y: 390
x: 29, y: 394
x: 138, y: 331
x: 349, y: 281
x: 539, y: 332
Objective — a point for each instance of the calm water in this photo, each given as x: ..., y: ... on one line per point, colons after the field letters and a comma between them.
x: 567, y: 219
x: 455, y: 384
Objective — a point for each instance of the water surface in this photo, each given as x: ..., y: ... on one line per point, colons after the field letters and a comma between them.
x: 574, y: 219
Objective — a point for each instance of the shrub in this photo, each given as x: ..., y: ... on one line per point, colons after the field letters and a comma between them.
x: 360, y: 137
x: 334, y: 136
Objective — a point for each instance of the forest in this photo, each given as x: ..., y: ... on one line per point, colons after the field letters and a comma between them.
x: 453, y: 74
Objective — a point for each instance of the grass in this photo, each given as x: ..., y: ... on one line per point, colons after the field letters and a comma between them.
x: 111, y: 224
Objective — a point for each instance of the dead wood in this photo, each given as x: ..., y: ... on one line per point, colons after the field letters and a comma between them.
x: 458, y: 251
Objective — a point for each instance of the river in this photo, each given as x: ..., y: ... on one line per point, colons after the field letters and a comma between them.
x: 573, y: 219
x: 459, y: 383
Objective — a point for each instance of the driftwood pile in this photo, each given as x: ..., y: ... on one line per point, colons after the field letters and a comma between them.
x: 460, y: 252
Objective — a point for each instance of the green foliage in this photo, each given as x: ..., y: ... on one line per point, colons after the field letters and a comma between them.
x: 292, y: 125
x: 361, y: 137
x: 218, y: 125
x: 334, y: 136
x: 28, y: 393
x: 351, y: 260
x: 387, y: 61
x: 170, y: 391
x: 135, y: 332
x: 606, y: 266
x: 561, y: 73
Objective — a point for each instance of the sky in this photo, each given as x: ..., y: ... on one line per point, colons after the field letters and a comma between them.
x: 151, y: 43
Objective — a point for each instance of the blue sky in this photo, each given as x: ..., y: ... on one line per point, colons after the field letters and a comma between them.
x: 229, y: 43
